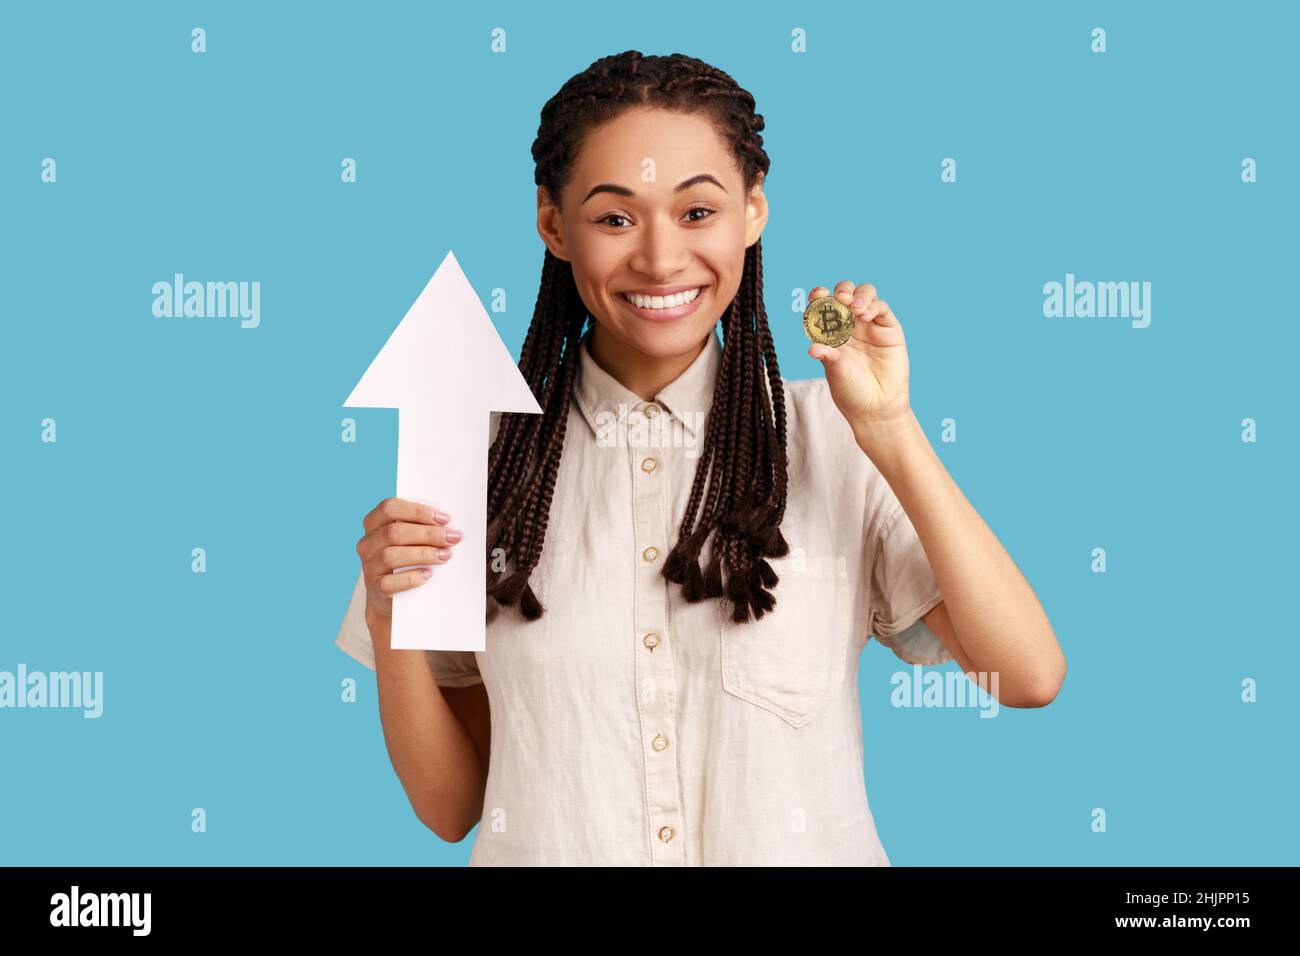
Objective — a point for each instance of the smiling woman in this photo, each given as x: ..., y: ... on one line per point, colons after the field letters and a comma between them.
x: 680, y: 688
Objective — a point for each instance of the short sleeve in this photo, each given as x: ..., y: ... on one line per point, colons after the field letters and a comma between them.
x: 903, y: 589
x: 450, y: 668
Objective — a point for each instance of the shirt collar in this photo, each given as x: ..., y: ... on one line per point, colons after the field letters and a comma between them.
x: 684, y: 398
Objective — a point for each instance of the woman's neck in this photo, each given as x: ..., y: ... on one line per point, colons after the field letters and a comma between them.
x: 644, y: 375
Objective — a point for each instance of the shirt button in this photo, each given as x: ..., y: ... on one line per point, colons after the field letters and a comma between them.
x: 650, y: 553
x: 649, y: 465
x: 652, y: 410
x: 651, y: 640
x: 660, y: 743
x: 665, y: 834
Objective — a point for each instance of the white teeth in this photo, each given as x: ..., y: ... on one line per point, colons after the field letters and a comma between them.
x: 662, y: 301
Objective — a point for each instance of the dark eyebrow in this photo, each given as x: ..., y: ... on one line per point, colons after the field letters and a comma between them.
x: 624, y: 191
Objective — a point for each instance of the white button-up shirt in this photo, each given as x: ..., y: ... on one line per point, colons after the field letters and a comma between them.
x: 632, y: 727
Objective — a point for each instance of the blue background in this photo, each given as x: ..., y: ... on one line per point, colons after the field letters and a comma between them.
x: 222, y: 689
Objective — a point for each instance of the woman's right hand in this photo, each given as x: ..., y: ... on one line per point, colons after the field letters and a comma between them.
x: 400, y: 533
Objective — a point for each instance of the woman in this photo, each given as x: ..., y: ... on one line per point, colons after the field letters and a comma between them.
x: 671, y: 679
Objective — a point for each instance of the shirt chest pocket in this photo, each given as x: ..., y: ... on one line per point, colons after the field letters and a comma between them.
x: 792, y: 661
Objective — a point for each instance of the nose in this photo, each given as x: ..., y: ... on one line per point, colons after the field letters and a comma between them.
x: 660, y: 254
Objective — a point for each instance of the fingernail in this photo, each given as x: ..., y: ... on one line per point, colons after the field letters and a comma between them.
x: 453, y: 536
x: 441, y: 517
x: 426, y: 572
x: 444, y: 554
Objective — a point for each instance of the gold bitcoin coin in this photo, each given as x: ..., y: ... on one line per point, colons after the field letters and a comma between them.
x: 828, y: 320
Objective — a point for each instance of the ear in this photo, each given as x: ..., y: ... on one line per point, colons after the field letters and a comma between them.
x: 550, y: 225
x: 755, y: 213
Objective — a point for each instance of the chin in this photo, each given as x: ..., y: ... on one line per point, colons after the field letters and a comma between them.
x: 670, y: 340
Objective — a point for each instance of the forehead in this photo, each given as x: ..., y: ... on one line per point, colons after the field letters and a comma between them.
x: 680, y: 145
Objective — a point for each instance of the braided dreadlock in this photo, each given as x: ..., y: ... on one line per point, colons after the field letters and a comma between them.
x: 744, y: 446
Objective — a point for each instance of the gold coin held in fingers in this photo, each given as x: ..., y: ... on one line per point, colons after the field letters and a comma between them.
x: 828, y: 320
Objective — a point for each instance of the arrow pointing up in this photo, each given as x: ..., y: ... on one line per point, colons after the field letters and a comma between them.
x: 445, y: 370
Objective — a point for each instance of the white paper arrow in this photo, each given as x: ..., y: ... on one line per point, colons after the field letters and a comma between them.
x: 445, y: 369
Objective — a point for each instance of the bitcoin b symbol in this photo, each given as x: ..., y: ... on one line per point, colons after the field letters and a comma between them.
x: 829, y: 322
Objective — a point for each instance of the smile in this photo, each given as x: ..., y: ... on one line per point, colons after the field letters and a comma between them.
x: 663, y: 307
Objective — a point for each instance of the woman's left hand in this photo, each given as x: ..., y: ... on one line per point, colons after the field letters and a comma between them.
x: 868, y: 373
